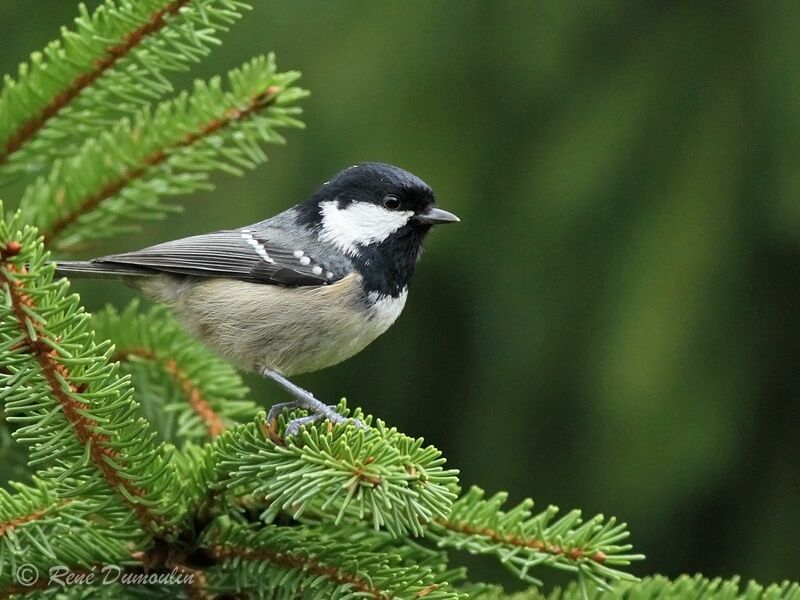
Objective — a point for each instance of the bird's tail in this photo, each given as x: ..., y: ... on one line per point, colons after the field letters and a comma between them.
x: 95, y: 270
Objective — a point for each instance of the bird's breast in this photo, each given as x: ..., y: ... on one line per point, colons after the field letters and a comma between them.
x: 291, y: 330
x: 384, y: 309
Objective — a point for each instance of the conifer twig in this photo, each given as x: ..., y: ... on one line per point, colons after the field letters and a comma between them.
x: 57, y: 374
x: 656, y: 587
x: 377, y: 474
x: 112, y: 65
x: 113, y: 53
x: 29, y: 504
x: 278, y: 559
x: 523, y: 540
x: 121, y: 174
x: 529, y: 542
x: 155, y: 159
x: 295, y: 562
x: 45, y: 352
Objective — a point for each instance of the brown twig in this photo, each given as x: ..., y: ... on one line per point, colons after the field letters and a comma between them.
x: 55, y: 373
x: 156, y: 158
x: 359, y: 473
x: 521, y: 541
x: 112, y: 55
x: 194, y: 395
x: 291, y: 561
x: 12, y: 524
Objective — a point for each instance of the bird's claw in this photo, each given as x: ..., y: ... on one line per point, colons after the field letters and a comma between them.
x: 294, y: 426
x: 277, y: 409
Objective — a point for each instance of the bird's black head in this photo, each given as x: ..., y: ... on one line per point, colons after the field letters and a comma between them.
x: 378, y: 215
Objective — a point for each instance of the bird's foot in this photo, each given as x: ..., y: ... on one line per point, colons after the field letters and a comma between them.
x: 318, y: 413
x: 303, y: 400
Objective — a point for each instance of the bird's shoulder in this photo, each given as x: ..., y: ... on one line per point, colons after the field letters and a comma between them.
x: 276, y: 251
x: 288, y: 230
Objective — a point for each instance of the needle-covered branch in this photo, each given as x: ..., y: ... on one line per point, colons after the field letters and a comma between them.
x: 522, y: 540
x: 28, y: 516
x: 38, y: 528
x: 111, y: 64
x: 312, y: 563
x: 119, y: 176
x: 374, y: 474
x: 73, y: 409
x: 175, y: 375
x: 659, y: 588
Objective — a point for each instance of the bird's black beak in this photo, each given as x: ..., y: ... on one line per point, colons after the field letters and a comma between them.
x: 437, y: 216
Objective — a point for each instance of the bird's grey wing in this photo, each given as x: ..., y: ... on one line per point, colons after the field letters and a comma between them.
x: 237, y: 254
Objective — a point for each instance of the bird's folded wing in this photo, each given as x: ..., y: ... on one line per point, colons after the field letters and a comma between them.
x: 237, y: 254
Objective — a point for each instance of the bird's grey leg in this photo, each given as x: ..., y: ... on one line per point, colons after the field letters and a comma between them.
x: 303, y: 399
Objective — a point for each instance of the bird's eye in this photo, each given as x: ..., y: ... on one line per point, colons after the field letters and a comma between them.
x: 391, y: 202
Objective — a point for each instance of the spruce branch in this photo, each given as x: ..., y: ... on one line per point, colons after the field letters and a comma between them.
x: 40, y: 528
x: 175, y: 375
x: 197, y: 470
x: 692, y: 587
x: 73, y: 410
x: 31, y: 508
x: 522, y: 540
x: 658, y: 588
x: 111, y: 65
x: 339, y: 474
x: 284, y: 562
x: 119, y: 177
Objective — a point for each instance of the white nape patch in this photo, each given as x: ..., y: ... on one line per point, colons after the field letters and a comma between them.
x: 298, y: 253
x: 257, y: 247
x: 317, y: 270
x: 359, y: 224
x: 385, y: 309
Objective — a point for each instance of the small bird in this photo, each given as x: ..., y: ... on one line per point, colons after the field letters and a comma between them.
x: 300, y: 291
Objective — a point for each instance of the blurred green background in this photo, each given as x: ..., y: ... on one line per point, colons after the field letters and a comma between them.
x: 614, y: 325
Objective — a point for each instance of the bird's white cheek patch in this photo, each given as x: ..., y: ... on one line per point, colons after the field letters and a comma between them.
x: 360, y: 224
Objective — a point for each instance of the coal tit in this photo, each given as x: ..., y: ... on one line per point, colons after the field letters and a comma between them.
x: 300, y: 291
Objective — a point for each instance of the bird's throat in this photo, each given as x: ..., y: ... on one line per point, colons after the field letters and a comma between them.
x: 387, y: 268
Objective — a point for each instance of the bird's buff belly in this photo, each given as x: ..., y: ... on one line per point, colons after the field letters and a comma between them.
x: 292, y: 331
